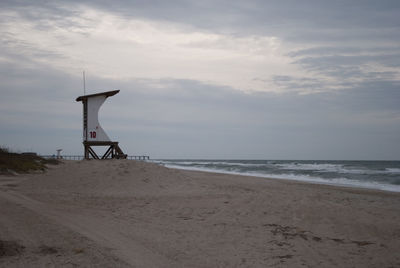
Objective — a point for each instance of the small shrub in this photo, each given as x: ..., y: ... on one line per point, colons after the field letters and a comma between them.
x: 22, y: 163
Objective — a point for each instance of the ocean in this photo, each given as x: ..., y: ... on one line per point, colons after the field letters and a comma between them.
x: 382, y: 175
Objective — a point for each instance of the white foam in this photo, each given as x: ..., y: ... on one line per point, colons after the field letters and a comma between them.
x: 241, y: 164
x: 190, y: 162
x: 393, y: 170
x: 317, y: 167
x: 337, y: 168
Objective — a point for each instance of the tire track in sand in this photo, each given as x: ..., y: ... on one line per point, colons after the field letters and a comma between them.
x: 101, y: 232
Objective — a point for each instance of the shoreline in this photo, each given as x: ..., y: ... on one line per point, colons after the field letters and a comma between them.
x: 336, y: 187
x: 368, y: 185
x: 126, y: 213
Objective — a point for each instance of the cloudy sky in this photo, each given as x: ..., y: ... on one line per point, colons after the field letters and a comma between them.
x: 205, y: 79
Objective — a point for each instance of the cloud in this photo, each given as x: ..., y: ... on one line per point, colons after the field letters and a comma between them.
x: 309, y: 21
x: 144, y: 49
x: 135, y: 42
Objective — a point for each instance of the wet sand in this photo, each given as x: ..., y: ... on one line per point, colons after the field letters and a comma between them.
x: 123, y: 213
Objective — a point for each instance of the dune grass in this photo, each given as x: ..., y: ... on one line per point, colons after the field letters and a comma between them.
x: 11, y: 163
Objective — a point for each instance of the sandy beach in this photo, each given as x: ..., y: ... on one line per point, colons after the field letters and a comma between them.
x: 123, y: 213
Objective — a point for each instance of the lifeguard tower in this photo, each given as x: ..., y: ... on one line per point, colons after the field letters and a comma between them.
x: 93, y: 133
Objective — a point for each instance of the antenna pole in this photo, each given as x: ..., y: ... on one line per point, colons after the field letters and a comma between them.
x: 84, y: 83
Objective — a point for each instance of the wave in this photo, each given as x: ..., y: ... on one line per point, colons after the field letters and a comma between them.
x: 337, y: 168
x: 316, y: 167
x: 229, y: 168
x: 393, y: 170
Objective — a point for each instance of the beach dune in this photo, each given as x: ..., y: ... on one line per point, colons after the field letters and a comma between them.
x: 124, y: 213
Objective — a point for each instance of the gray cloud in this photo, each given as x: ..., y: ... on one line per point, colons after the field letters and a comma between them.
x: 391, y: 60
x: 305, y: 21
x: 345, y: 50
x: 351, y: 65
x: 298, y: 85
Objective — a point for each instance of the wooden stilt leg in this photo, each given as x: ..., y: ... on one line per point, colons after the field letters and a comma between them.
x: 114, y: 151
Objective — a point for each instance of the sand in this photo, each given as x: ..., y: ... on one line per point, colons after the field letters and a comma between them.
x: 123, y: 213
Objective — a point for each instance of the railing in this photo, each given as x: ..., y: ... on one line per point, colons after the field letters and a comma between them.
x: 65, y: 157
x: 80, y: 157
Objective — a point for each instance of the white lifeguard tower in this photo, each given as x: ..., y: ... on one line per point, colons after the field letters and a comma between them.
x: 93, y: 133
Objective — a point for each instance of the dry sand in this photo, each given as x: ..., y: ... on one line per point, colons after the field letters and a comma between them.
x: 123, y: 213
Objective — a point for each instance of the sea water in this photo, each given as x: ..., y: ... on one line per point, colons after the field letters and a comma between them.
x: 382, y: 175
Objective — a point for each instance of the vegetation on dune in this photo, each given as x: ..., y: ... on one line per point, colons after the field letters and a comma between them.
x: 11, y: 163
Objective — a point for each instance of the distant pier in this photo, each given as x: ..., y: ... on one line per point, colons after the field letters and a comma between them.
x: 80, y: 157
x: 138, y: 157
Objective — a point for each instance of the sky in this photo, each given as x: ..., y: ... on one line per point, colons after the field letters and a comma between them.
x: 205, y: 79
